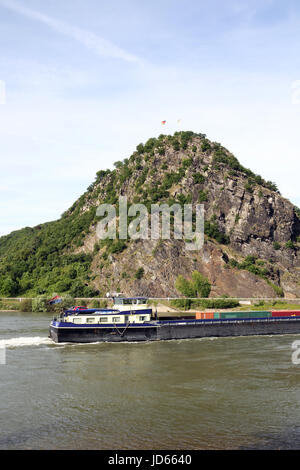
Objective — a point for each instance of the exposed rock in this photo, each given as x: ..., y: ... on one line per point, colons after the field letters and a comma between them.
x: 251, y: 243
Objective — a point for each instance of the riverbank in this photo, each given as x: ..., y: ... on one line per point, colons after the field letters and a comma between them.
x: 163, y: 307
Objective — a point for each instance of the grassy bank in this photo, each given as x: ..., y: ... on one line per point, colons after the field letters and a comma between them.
x: 40, y: 304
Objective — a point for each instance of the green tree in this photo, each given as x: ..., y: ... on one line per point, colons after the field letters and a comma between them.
x: 201, y: 284
x: 40, y: 304
x: 185, y: 287
x: 198, y: 286
x: 8, y: 287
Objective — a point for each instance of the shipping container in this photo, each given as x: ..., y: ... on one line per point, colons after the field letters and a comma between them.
x: 228, y: 315
x: 257, y: 314
x: 286, y: 313
x: 243, y: 315
x: 204, y: 315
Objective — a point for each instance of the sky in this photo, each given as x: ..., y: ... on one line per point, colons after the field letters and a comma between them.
x: 83, y: 82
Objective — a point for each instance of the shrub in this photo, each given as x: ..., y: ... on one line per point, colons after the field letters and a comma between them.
x: 199, y: 286
x: 185, y: 287
x: 161, y: 151
x: 278, y: 290
x: 202, y: 196
x: 233, y: 263
x: 198, y: 178
x: 297, y: 211
x: 8, y: 287
x: 187, y: 162
x: 150, y: 145
x: 139, y: 273
x: 212, y: 231
x: 249, y: 187
x: 176, y: 145
x: 290, y: 245
x: 25, y: 305
x: 140, y: 149
x: 219, y: 303
x: 94, y: 304
x: 118, y: 246
x: 67, y: 302
x: 205, y: 146
x: 184, y: 304
x: 40, y: 304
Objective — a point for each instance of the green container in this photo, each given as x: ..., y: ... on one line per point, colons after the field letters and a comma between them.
x: 237, y: 315
x: 228, y: 315
x: 260, y: 314
x: 216, y: 316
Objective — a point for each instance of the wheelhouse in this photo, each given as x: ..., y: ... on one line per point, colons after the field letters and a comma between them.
x: 133, y: 303
x: 124, y: 311
x: 109, y: 318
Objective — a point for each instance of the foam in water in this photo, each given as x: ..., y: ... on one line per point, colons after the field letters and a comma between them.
x: 24, y: 341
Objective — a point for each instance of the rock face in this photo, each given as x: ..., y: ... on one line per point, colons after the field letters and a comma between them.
x: 250, y: 220
x: 251, y: 232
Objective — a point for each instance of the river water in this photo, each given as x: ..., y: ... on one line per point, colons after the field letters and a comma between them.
x: 219, y: 393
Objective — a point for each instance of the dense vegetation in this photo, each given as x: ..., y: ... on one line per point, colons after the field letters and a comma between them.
x: 38, y: 260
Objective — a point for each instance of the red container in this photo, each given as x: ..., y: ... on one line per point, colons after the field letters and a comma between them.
x: 286, y: 313
x: 204, y: 315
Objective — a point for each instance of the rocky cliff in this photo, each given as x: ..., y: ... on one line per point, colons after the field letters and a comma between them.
x: 251, y: 232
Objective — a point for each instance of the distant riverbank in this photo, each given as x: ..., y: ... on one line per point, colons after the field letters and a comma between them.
x: 163, y: 307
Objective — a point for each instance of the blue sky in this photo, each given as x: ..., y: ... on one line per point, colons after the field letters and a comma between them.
x: 88, y: 80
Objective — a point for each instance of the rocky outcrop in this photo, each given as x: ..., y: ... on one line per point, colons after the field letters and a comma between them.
x: 250, y: 249
x: 256, y: 221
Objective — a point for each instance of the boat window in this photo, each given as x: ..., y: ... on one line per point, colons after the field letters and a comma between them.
x: 116, y: 319
x: 103, y: 319
x: 143, y: 318
x: 141, y: 301
x: 119, y: 301
x: 90, y: 320
x: 127, y: 301
x: 77, y: 320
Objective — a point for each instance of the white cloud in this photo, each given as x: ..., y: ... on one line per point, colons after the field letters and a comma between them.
x: 90, y: 40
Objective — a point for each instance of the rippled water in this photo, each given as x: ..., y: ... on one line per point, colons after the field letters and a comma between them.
x: 223, y: 393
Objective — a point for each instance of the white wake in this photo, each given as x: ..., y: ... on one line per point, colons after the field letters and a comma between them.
x: 24, y: 341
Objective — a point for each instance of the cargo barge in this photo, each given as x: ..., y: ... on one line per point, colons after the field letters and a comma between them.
x: 133, y: 320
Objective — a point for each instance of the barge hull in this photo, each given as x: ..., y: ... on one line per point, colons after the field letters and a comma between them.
x: 95, y: 335
x: 229, y: 328
x: 175, y: 330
